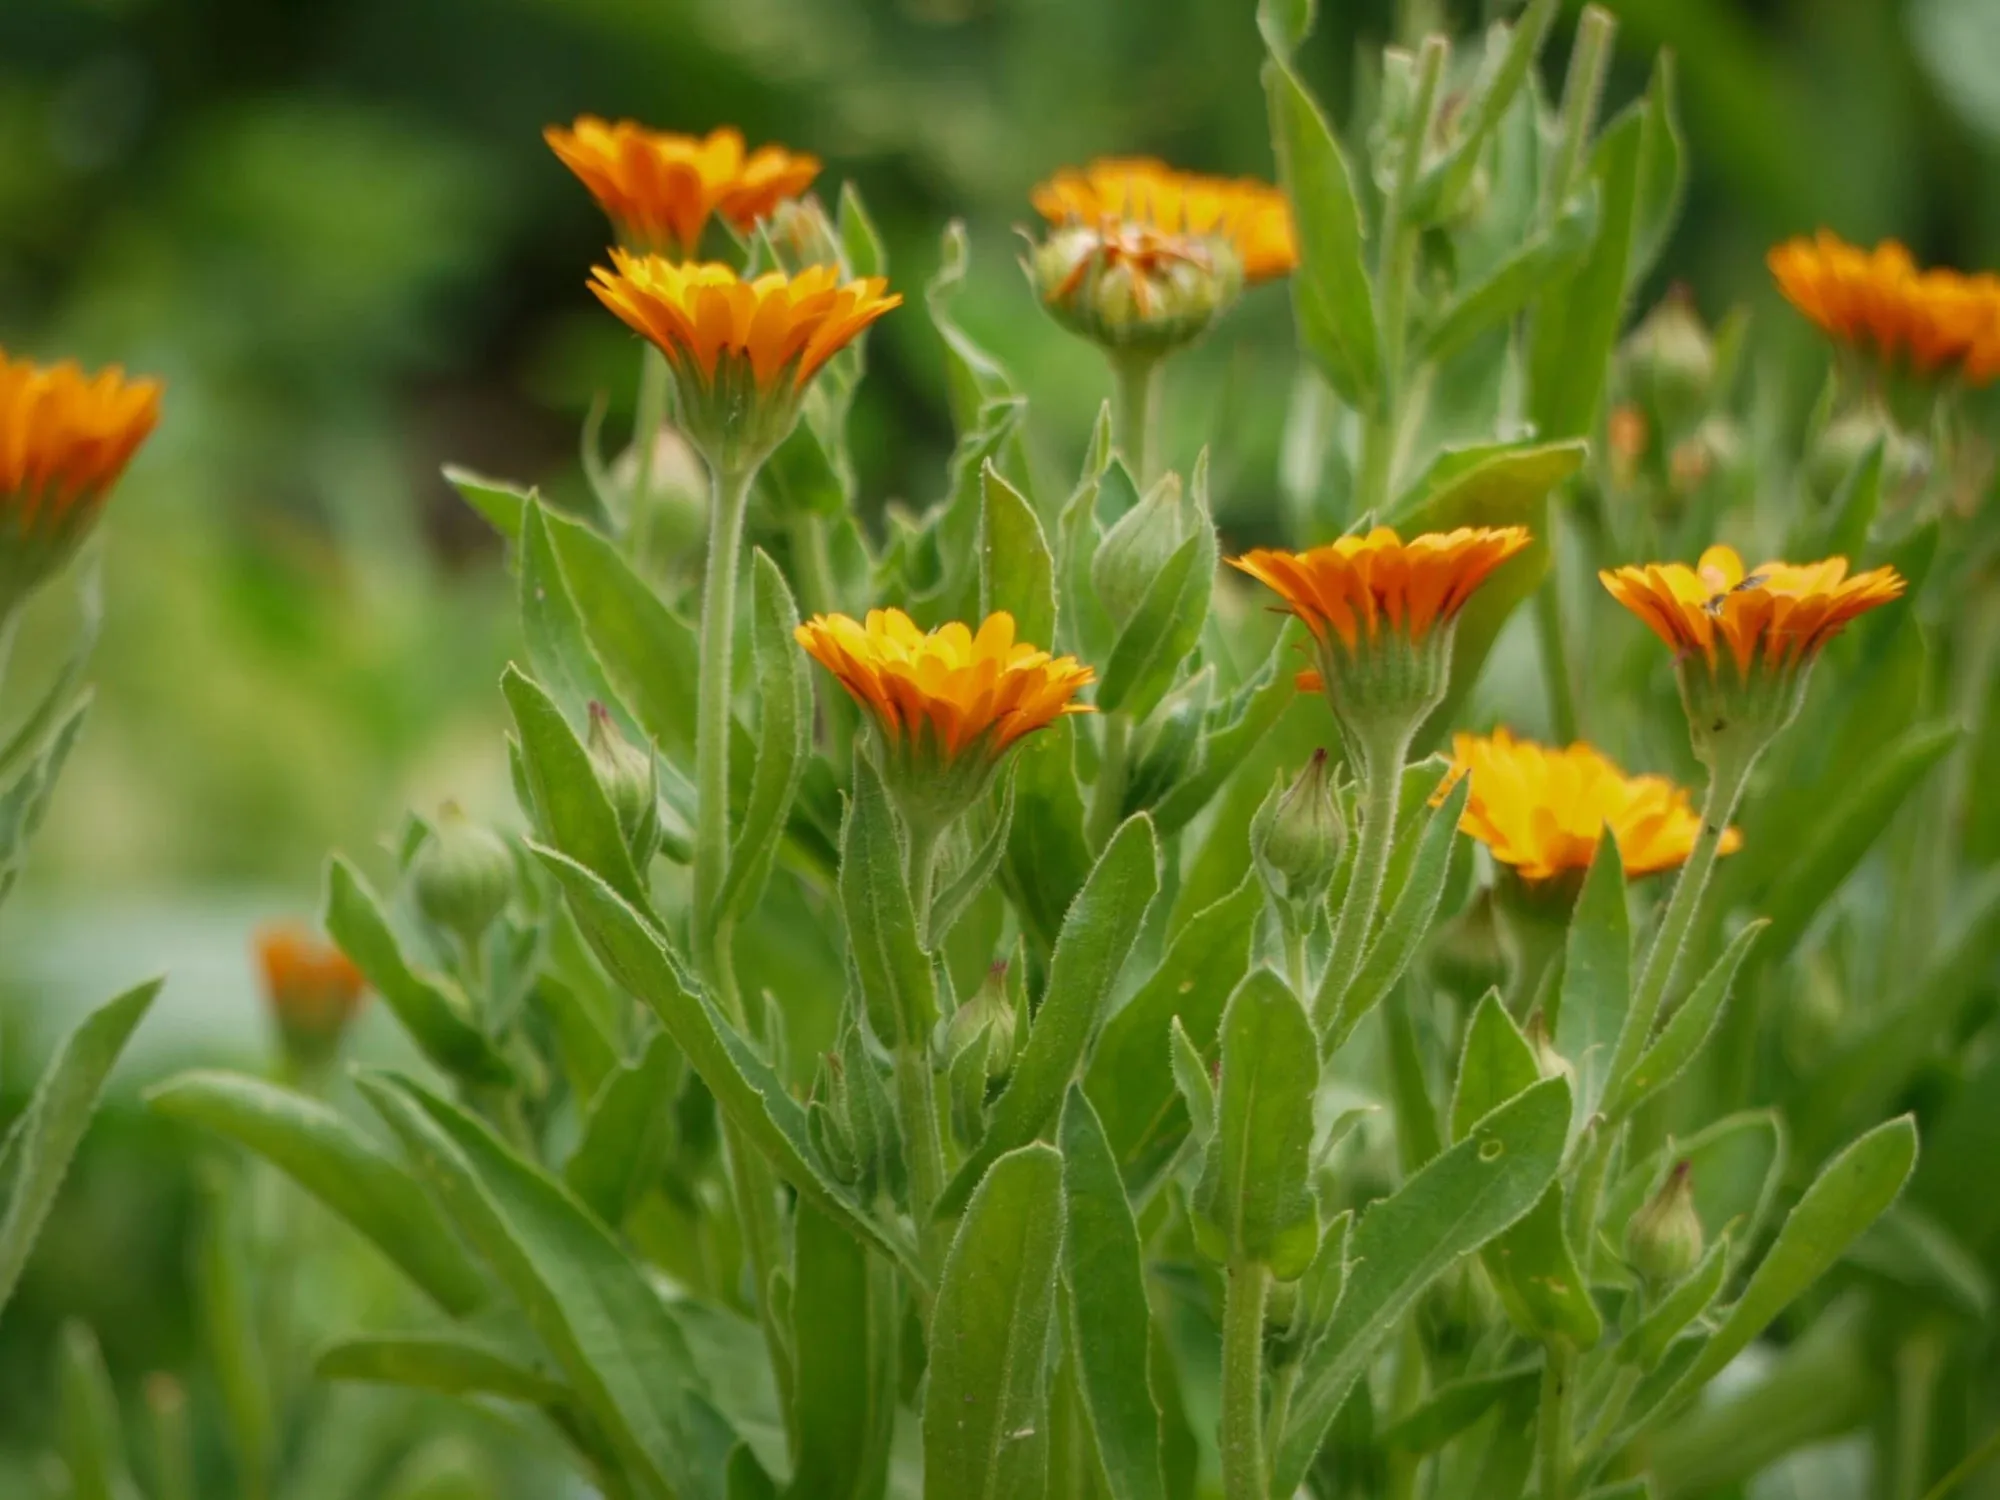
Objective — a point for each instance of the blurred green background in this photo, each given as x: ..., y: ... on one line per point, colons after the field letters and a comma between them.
x: 332, y: 227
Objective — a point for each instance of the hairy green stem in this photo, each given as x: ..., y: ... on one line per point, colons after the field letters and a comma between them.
x: 1552, y: 1439
x: 1107, y: 797
x: 1381, y: 786
x: 1247, y: 1289
x: 1136, y: 411
x: 1295, y: 953
x: 711, y: 745
x: 916, y: 1096
x: 650, y: 412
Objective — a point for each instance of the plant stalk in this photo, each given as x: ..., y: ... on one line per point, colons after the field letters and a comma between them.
x: 916, y: 1090
x: 711, y: 746
x: 1381, y: 787
x: 1248, y: 1289
x: 1137, y: 410
x: 1552, y: 1441
x: 1113, y: 768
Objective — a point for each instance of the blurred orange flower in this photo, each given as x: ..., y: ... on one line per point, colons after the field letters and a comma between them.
x: 311, y: 987
x: 1115, y: 194
x: 1880, y: 301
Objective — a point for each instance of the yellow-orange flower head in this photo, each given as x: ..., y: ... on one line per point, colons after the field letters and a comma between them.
x: 1252, y: 218
x: 1744, y: 641
x: 65, y: 437
x: 313, y: 990
x: 1381, y: 611
x: 741, y: 351
x: 1879, y: 301
x: 1542, y: 810
x: 948, y: 702
x: 661, y: 189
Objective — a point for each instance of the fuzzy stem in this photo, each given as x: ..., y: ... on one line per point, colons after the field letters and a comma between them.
x: 1137, y: 410
x: 1295, y: 950
x: 916, y: 1101
x: 1552, y: 1443
x: 1248, y: 1287
x: 1554, y: 642
x: 1381, y: 787
x: 1108, y: 795
x: 711, y: 747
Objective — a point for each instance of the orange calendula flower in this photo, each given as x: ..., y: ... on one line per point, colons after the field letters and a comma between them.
x: 1251, y: 218
x: 741, y: 351
x: 1777, y: 613
x: 65, y: 437
x: 661, y: 189
x: 312, y: 988
x: 1878, y: 300
x: 1542, y: 810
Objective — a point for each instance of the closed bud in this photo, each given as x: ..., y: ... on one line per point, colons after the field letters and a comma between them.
x: 990, y: 1013
x: 1298, y: 836
x: 1664, y: 1239
x: 1671, y: 359
x: 1137, y: 547
x: 630, y: 779
x: 1132, y: 286
x: 827, y: 1125
x: 463, y: 875
x: 1548, y: 1062
x: 313, y: 991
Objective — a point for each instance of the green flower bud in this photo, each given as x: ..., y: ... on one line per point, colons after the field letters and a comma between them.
x: 463, y: 875
x: 1132, y: 286
x: 1298, y: 836
x: 1671, y: 361
x: 1137, y: 547
x: 1549, y: 1062
x: 630, y: 778
x: 991, y: 1013
x: 1664, y: 1239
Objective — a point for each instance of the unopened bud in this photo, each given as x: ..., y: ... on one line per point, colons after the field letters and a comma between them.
x: 313, y: 991
x: 1137, y: 547
x: 1664, y: 1239
x: 1131, y: 286
x: 990, y: 1013
x: 462, y: 875
x: 1672, y: 362
x: 1548, y: 1062
x: 630, y: 779
x: 1298, y: 836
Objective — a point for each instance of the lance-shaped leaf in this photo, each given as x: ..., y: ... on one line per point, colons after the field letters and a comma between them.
x: 558, y: 649
x: 1166, y: 626
x: 333, y: 1161
x: 1254, y: 709
x: 225, y: 1301
x: 844, y: 1331
x: 1048, y: 857
x: 1597, y: 979
x: 570, y: 804
x: 784, y: 736
x: 627, y: 1133
x: 432, y: 1009
x: 742, y: 1082
x: 454, y: 1361
x: 36, y: 1153
x: 1131, y: 1080
x: 986, y: 1417
x: 25, y: 802
x: 898, y: 984
x: 976, y: 876
x: 1110, y: 1333
x: 1496, y: 1064
x: 1454, y: 1205
x: 589, y: 1303
x: 1662, y: 179
x: 1016, y: 571
x: 1096, y: 937
x: 1540, y: 1283
x: 498, y: 500
x: 1507, y: 289
x: 1680, y: 1041
x: 1647, y: 1344
x: 1457, y: 1404
x: 973, y: 377
x: 1331, y: 297
x: 1255, y: 1202
x: 89, y: 1433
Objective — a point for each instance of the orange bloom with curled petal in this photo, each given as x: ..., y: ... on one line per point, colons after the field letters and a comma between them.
x: 1251, y: 217
x: 1542, y: 810
x: 312, y: 988
x: 783, y: 327
x: 1878, y: 300
x: 1361, y: 585
x: 661, y: 189
x: 951, y: 690
x: 1777, y: 614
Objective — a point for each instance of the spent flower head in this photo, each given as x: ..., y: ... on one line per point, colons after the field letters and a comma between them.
x: 661, y: 189
x: 65, y: 437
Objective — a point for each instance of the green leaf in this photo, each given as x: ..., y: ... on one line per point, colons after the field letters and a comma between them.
x: 973, y: 377
x: 570, y: 805
x: 1662, y: 180
x: 1596, y: 980
x: 1497, y: 1064
x: 1016, y: 572
x: 454, y: 1361
x: 432, y: 1009
x: 627, y: 1133
x: 35, y: 1155
x: 499, y: 501
x: 1576, y: 324
x: 1166, y: 626
x: 89, y: 1434
x: 649, y: 654
x: 25, y: 802
x: 1192, y: 1082
x: 1454, y: 1205
x: 1110, y: 1325
x: 1096, y: 937
x: 1410, y: 916
x: 898, y: 984
x: 1680, y: 1041
x: 784, y: 736
x: 744, y: 1084
x: 986, y: 1407
x: 976, y: 877
x: 333, y: 1161
x: 225, y: 1302
x: 1331, y: 297
x: 1255, y: 1201
x: 558, y: 650
x: 1284, y: 24
x: 844, y: 1330
x: 59, y: 700
x: 860, y: 244
x: 1647, y: 1344
x: 1456, y: 1405
x: 1846, y: 832
x: 589, y: 1303
x: 1048, y: 857
x: 1849, y: 1194
x: 1539, y: 1281
x: 1507, y: 289
x: 1131, y: 1080
x: 1256, y: 708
